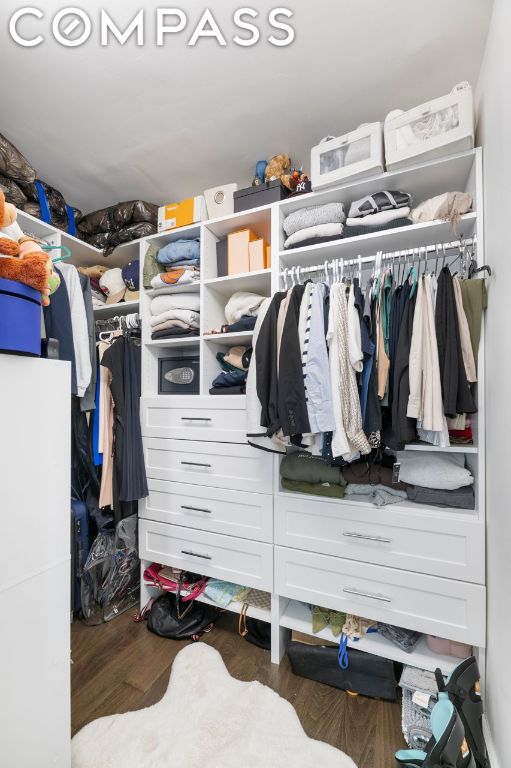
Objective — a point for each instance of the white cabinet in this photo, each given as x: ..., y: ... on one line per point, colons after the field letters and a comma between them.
x: 193, y: 418
x: 35, y: 405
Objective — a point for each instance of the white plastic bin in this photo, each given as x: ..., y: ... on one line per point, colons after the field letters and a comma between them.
x: 354, y: 155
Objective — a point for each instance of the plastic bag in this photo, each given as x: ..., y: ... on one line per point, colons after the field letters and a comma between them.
x: 111, y: 575
x: 57, y: 220
x: 108, y: 241
x: 13, y: 192
x: 13, y: 164
x: 118, y: 216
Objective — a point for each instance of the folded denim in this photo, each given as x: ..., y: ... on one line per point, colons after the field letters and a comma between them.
x: 179, y: 250
x: 303, y: 466
x: 246, y: 323
x: 188, y: 263
x: 406, y: 639
x: 316, y: 489
x: 229, y: 379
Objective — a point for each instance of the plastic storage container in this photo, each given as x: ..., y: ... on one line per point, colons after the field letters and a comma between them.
x: 448, y: 647
x: 440, y: 127
x: 20, y: 319
x: 354, y: 155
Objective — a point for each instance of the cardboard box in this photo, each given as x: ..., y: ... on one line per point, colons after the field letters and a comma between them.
x: 238, y: 259
x: 175, y: 215
x: 257, y: 254
x: 267, y: 260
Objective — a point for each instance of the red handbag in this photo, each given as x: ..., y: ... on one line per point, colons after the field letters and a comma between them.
x: 153, y: 577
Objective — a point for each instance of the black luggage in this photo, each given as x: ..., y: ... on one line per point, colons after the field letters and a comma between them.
x: 79, y: 549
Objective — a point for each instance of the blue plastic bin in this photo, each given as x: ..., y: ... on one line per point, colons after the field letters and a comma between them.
x: 20, y: 318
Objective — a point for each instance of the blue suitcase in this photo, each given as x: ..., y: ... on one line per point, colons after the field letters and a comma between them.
x: 79, y: 549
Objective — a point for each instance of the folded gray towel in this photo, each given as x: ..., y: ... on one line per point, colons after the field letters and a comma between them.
x: 330, y: 213
x: 461, y: 498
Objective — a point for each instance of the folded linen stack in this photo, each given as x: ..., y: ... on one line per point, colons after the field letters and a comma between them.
x: 175, y: 315
x: 382, y: 210
x: 176, y: 264
x: 301, y: 472
x: 314, y: 224
x: 240, y: 312
x: 233, y: 376
x: 437, y: 479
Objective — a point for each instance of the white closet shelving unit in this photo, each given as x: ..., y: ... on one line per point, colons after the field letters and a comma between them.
x: 216, y: 505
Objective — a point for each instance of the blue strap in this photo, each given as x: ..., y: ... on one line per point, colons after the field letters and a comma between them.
x: 43, y: 202
x: 71, y: 228
x: 343, y: 651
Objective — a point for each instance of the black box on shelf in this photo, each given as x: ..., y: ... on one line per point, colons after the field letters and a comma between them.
x: 221, y: 258
x: 263, y: 194
x: 179, y: 376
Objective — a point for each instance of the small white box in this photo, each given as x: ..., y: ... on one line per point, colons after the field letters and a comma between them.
x: 220, y: 200
x: 354, y: 155
x: 440, y: 127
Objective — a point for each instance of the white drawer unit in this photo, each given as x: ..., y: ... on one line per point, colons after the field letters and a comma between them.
x: 218, y: 465
x: 193, y: 418
x: 241, y: 561
x: 436, y: 543
x: 451, y: 609
x: 248, y: 515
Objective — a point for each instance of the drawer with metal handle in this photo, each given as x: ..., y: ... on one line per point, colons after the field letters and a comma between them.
x: 452, y: 609
x: 248, y: 515
x: 211, y: 554
x: 194, y: 418
x: 217, y: 465
x: 440, y: 543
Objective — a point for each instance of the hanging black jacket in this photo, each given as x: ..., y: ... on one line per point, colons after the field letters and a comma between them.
x: 456, y: 394
x: 402, y: 429
x: 267, y: 382
x: 292, y: 405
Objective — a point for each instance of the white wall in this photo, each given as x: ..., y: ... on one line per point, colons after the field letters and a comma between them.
x: 495, y: 136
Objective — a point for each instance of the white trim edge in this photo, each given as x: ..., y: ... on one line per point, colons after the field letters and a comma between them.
x: 492, y: 755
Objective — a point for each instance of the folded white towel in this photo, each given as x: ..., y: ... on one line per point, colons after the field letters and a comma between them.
x: 188, y: 316
x: 378, y: 219
x: 320, y: 230
x: 313, y: 215
x: 444, y: 471
x: 242, y: 303
x: 175, y: 301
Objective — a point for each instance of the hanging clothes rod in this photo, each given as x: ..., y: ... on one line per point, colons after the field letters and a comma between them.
x: 421, y: 251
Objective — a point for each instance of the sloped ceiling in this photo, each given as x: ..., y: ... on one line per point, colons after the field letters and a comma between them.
x: 105, y: 124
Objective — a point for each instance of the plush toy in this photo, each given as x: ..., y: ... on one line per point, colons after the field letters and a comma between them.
x: 278, y: 168
x: 21, y: 258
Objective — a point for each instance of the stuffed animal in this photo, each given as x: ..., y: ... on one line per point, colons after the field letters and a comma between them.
x: 278, y: 168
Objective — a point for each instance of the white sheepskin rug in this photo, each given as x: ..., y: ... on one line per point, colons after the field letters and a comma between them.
x: 206, y: 718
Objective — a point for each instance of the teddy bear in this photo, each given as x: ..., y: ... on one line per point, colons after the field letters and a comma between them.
x: 279, y: 167
x: 21, y: 258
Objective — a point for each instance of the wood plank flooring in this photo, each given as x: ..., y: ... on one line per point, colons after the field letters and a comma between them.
x: 121, y: 666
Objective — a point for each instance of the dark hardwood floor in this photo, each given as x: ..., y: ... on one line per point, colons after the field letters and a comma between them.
x: 121, y: 666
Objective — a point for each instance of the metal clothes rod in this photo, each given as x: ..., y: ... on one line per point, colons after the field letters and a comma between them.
x: 420, y: 251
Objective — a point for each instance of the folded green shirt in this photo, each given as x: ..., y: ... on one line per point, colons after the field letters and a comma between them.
x: 311, y: 469
x: 317, y: 489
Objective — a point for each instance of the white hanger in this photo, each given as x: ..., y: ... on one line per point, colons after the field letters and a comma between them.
x: 285, y: 279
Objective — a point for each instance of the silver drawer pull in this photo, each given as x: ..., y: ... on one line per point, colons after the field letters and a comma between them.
x: 354, y: 535
x: 196, y: 509
x: 194, y: 464
x: 195, y: 418
x: 357, y: 592
x: 195, y: 554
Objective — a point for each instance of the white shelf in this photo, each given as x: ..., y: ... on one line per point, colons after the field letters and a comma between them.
x: 173, y: 342
x: 190, y: 288
x: 298, y: 616
x: 257, y: 219
x: 32, y: 226
x: 258, y: 281
x: 229, y: 338
x: 234, y: 607
x: 449, y: 449
x: 122, y: 308
x: 401, y: 238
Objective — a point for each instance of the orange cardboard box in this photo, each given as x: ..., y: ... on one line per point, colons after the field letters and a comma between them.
x: 238, y: 259
x: 257, y: 254
x: 267, y: 260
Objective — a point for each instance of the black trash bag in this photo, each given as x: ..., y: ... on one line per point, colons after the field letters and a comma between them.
x: 57, y: 220
x: 13, y: 164
x: 118, y: 217
x: 191, y: 621
x: 108, y: 241
x: 13, y: 192
x: 55, y: 198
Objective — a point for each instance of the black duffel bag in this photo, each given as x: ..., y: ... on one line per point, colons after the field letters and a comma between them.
x: 171, y: 618
x: 366, y: 674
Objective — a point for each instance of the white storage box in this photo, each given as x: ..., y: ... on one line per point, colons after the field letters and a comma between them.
x: 440, y: 127
x: 354, y: 155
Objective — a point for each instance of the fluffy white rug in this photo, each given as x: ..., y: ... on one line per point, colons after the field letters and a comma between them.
x: 206, y: 718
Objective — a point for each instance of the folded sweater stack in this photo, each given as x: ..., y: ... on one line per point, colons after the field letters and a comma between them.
x: 382, y: 210
x: 175, y: 315
x: 437, y: 479
x: 314, y: 224
x: 303, y: 473
x: 174, y: 265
